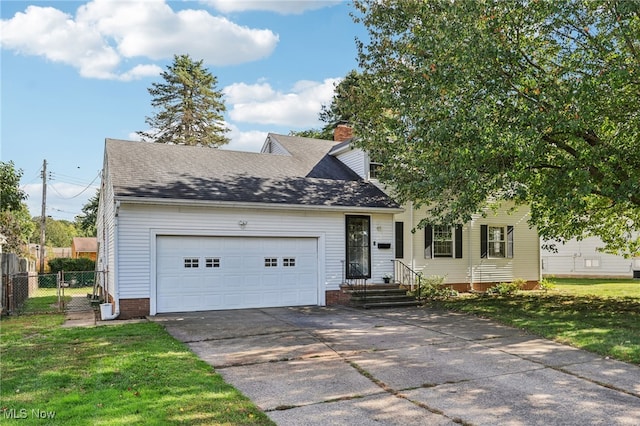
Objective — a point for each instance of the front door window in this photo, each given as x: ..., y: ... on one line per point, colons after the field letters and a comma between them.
x: 358, y: 247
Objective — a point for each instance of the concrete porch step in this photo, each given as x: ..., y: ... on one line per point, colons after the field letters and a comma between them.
x: 387, y: 304
x: 380, y: 296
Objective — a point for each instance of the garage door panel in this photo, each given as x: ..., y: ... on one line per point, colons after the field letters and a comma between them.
x: 230, y: 262
x: 241, y: 279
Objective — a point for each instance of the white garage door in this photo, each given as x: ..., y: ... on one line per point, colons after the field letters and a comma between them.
x: 211, y: 273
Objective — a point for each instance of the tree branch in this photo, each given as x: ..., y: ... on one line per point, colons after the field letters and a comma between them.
x: 562, y: 145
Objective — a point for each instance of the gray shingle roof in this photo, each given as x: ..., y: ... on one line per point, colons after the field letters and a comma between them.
x: 307, y: 177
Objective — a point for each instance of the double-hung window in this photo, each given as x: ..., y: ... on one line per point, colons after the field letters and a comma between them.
x: 496, y: 241
x: 442, y: 241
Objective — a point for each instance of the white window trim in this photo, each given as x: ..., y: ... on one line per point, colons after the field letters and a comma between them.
x: 452, y: 240
x: 503, y: 241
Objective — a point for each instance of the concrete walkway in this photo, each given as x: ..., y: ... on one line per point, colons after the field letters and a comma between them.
x: 80, y: 313
x: 322, y: 366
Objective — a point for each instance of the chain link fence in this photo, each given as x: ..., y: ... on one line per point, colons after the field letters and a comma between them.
x: 26, y: 293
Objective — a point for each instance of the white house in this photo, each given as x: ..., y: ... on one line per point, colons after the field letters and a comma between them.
x: 493, y: 247
x: 584, y: 259
x: 188, y: 228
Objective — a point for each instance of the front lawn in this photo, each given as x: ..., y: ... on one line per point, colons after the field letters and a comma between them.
x: 596, y: 315
x: 598, y: 287
x: 110, y: 375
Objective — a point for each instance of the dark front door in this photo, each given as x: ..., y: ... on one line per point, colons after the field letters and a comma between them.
x: 358, y: 246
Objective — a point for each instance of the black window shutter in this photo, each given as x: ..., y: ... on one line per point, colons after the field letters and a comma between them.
x: 399, y: 240
x: 510, y: 242
x: 484, y: 241
x: 458, y: 241
x: 428, y: 242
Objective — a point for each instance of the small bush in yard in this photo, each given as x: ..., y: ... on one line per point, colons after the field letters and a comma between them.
x: 433, y: 288
x: 504, y: 289
x: 68, y: 264
x: 546, y: 285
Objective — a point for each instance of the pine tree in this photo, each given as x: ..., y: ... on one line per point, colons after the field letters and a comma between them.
x: 189, y: 107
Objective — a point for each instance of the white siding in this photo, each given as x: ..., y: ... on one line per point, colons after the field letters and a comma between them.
x: 273, y: 147
x: 471, y: 267
x: 105, y: 227
x: 381, y: 232
x: 582, y: 258
x: 356, y: 160
x: 525, y: 263
x: 139, y: 224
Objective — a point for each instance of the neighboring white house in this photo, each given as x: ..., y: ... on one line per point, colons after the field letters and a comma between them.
x: 491, y: 248
x: 189, y: 228
x: 583, y: 259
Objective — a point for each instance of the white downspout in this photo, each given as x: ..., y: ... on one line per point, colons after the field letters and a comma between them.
x: 470, y: 251
x: 105, y: 308
x: 413, y: 260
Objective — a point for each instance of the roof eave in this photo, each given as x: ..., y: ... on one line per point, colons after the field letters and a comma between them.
x: 240, y: 205
x: 339, y: 149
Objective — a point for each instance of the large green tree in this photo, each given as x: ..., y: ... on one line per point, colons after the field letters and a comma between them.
x: 536, y: 101
x: 189, y: 107
x: 86, y: 222
x: 15, y: 221
x: 341, y: 110
x: 58, y: 233
x: 344, y: 103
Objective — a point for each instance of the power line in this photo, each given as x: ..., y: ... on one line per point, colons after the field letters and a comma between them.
x: 38, y: 175
x: 79, y: 193
x: 68, y: 179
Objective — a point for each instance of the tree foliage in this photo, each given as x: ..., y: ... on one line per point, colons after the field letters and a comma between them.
x: 58, y: 233
x: 189, y: 107
x: 68, y: 264
x: 11, y: 196
x: 341, y: 110
x: 467, y: 101
x: 15, y: 222
x: 344, y: 103
x: 86, y: 222
x: 311, y: 133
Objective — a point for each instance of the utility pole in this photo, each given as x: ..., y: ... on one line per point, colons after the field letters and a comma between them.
x: 43, y: 217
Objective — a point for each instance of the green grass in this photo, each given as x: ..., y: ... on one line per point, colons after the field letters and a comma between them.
x: 596, y: 315
x: 598, y: 287
x: 68, y: 291
x: 111, y: 375
x: 42, y: 304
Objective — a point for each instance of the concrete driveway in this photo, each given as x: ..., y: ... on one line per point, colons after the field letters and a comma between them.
x: 416, y: 366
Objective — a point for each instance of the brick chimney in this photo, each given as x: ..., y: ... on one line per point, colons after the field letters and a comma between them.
x: 342, y: 132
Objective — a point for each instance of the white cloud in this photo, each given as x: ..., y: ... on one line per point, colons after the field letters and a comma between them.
x: 64, y: 200
x: 283, y: 7
x: 259, y: 103
x: 140, y: 71
x: 251, y: 140
x: 239, y: 140
x: 104, y: 32
x: 239, y: 93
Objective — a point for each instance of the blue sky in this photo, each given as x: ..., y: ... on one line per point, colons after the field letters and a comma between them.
x: 75, y: 73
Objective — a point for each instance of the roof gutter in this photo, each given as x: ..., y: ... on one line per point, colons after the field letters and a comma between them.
x: 246, y: 205
x: 340, y: 150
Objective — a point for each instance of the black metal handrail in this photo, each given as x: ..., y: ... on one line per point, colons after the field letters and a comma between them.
x: 356, y: 285
x: 404, y: 275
